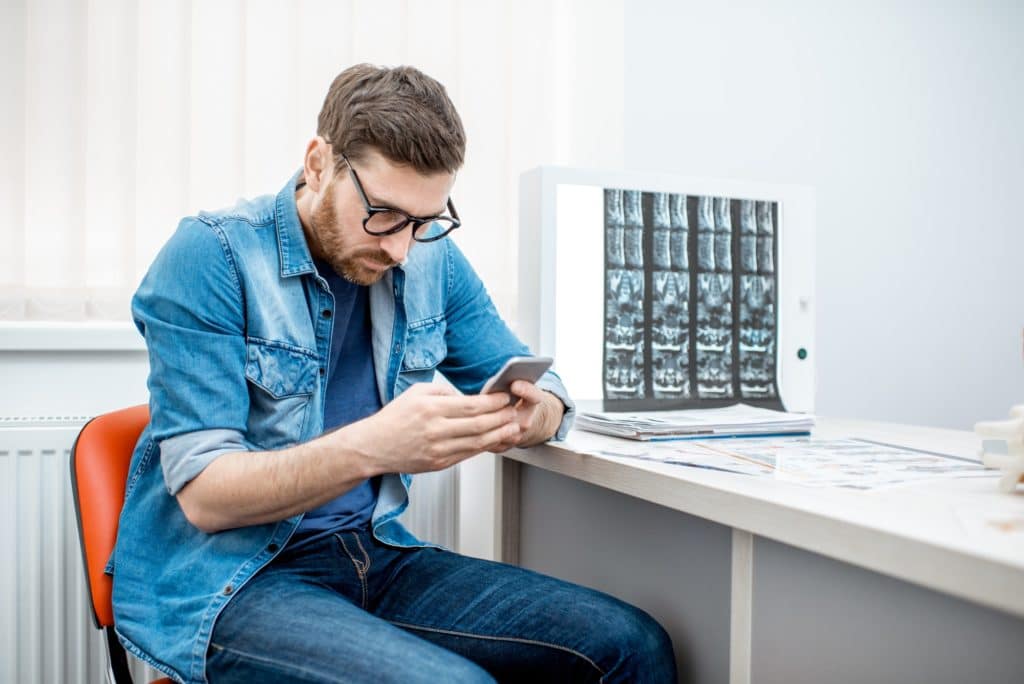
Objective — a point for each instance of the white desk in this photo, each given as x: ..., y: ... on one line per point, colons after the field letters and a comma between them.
x: 722, y: 560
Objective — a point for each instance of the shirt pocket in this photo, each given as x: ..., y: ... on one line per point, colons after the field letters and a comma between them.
x: 425, y: 348
x: 282, y: 379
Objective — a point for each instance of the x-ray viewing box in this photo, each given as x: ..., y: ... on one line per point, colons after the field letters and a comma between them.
x: 662, y: 291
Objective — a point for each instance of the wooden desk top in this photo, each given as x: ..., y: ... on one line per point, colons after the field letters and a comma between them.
x: 935, y: 533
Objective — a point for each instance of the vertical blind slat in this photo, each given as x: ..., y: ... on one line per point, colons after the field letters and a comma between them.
x: 323, y: 48
x: 216, y: 158
x: 431, y: 41
x: 13, y: 22
x: 270, y: 153
x: 54, y: 159
x: 110, y: 105
x: 529, y: 137
x: 163, y: 40
x: 482, y: 105
x: 379, y: 31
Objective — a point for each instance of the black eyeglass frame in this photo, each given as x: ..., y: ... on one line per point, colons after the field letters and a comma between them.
x: 416, y: 221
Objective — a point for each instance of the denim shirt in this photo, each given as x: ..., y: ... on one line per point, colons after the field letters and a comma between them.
x: 234, y: 317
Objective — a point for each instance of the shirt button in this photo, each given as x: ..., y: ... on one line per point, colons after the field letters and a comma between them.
x: 228, y: 589
x: 326, y: 313
x: 272, y: 548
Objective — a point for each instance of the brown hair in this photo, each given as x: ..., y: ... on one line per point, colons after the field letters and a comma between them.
x: 401, y: 112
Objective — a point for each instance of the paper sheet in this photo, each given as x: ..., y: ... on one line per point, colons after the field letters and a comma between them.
x: 851, y: 463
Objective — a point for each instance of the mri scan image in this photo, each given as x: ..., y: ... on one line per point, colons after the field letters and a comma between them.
x: 690, y: 300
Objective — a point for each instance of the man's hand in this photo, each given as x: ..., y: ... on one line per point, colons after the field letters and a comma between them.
x: 431, y: 427
x: 538, y: 414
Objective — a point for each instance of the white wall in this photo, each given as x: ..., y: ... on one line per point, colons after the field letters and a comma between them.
x: 70, y: 383
x: 906, y: 118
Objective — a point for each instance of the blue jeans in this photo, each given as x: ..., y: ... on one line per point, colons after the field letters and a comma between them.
x: 346, y: 608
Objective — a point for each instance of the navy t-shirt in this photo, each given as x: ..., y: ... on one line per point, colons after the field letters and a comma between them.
x: 351, y: 395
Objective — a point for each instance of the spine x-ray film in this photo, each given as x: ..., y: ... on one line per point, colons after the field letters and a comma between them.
x: 691, y: 317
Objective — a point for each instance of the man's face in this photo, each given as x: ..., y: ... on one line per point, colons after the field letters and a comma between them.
x: 337, y: 217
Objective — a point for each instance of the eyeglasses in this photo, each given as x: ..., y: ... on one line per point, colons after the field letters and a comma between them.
x: 388, y: 221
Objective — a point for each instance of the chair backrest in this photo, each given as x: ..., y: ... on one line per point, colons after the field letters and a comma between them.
x: 100, y: 459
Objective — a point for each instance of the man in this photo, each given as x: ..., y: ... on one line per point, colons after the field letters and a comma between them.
x: 291, y: 342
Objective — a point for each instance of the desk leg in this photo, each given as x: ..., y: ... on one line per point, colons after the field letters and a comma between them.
x: 741, y: 611
x: 506, y: 518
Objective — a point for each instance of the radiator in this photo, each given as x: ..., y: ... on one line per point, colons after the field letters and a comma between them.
x: 46, y: 630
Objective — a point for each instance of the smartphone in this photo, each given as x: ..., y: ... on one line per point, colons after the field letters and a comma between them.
x: 529, y: 368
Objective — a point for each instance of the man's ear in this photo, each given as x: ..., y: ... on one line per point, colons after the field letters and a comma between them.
x: 315, y: 163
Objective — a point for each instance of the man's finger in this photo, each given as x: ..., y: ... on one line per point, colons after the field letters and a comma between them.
x: 478, y: 425
x: 464, y: 447
x: 528, y: 391
x: 475, y: 404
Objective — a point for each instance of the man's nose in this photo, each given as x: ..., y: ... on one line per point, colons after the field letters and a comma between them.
x: 397, y: 246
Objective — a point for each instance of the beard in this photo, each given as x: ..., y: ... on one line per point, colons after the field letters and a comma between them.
x: 336, y: 250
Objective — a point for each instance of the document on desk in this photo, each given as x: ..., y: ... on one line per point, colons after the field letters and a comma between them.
x: 848, y: 463
x: 730, y: 421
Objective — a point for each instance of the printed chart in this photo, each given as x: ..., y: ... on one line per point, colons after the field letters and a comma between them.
x: 848, y: 463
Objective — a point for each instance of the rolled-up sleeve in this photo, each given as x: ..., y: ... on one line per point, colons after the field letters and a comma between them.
x: 189, y: 309
x: 185, y: 456
x: 552, y: 383
x: 479, y: 341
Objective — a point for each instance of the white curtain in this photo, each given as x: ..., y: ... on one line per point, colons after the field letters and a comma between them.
x: 120, y: 117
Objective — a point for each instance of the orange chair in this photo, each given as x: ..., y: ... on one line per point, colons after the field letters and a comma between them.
x: 99, y: 470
